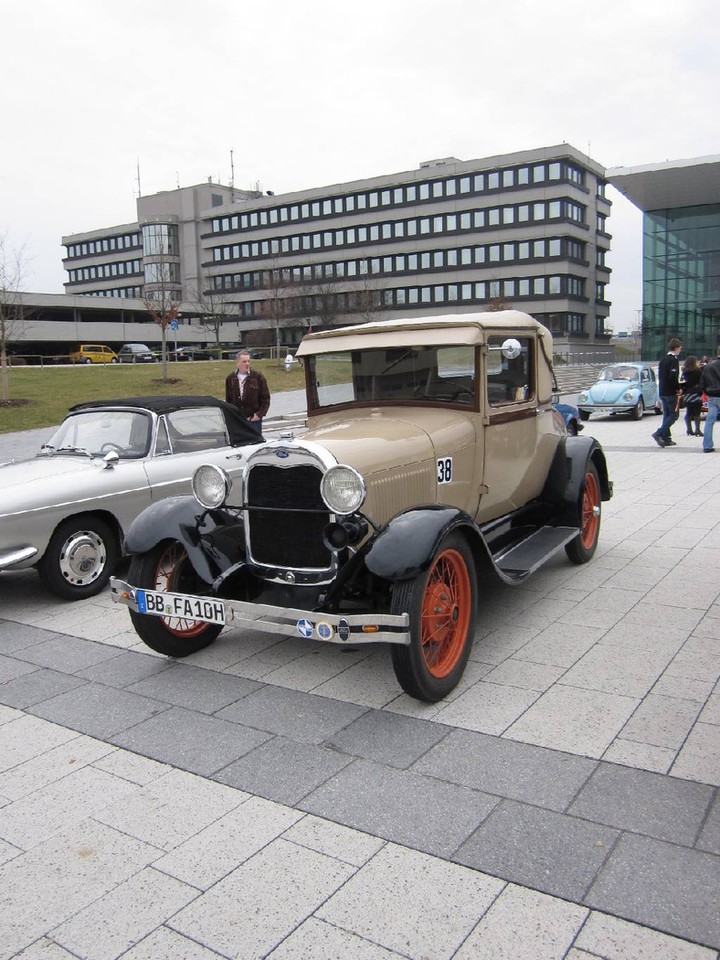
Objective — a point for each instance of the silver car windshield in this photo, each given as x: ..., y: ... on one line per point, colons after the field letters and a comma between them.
x: 97, y: 432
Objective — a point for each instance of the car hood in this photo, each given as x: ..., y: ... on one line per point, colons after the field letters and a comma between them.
x: 610, y: 391
x: 44, y: 480
x: 376, y: 441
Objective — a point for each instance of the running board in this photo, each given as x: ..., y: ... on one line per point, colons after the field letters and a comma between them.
x: 524, y: 558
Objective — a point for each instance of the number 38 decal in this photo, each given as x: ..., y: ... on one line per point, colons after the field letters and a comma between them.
x: 444, y: 470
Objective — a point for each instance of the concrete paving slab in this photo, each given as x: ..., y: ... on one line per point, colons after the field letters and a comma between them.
x: 547, y: 851
x: 661, y: 885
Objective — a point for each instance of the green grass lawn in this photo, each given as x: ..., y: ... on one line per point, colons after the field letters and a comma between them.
x: 50, y: 391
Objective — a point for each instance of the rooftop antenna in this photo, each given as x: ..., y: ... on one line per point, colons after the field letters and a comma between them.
x: 138, y: 178
x: 177, y: 177
x: 232, y: 171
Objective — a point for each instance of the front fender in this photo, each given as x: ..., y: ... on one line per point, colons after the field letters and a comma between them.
x: 407, y: 545
x: 185, y: 520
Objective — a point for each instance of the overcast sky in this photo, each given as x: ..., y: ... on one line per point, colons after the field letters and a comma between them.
x: 313, y: 92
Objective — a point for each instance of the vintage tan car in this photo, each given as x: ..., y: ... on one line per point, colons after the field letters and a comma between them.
x: 434, y: 464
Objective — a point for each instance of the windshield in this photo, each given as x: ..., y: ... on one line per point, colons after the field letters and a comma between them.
x: 393, y: 374
x: 97, y: 432
x: 619, y: 371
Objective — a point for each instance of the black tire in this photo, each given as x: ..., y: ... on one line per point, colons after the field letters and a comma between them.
x: 426, y: 669
x: 584, y: 414
x: 166, y: 567
x: 638, y: 410
x: 88, y: 360
x: 114, y: 360
x: 80, y: 558
x: 582, y: 548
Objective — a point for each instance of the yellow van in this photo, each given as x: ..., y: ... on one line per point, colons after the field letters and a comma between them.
x: 93, y: 353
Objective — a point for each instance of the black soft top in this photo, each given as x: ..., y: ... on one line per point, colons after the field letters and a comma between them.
x: 239, y: 431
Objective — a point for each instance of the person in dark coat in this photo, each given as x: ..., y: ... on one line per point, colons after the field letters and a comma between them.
x: 669, y: 388
x: 248, y: 390
x: 710, y: 386
x: 690, y: 379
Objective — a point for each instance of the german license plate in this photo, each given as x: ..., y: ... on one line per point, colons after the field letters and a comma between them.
x: 208, y: 610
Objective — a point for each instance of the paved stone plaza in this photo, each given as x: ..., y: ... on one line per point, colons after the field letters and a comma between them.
x: 284, y: 799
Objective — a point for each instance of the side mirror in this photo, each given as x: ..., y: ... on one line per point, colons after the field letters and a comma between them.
x: 110, y: 459
x: 511, y: 348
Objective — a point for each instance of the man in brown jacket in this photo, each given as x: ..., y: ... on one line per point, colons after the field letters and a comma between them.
x: 248, y: 390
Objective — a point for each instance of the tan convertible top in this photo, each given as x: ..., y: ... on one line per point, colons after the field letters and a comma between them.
x: 466, y: 328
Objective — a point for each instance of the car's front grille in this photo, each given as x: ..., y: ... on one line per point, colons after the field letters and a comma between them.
x: 287, y: 517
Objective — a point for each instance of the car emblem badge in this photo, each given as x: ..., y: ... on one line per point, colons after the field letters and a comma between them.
x: 305, y: 628
x: 289, y: 577
x: 283, y: 454
x: 343, y: 629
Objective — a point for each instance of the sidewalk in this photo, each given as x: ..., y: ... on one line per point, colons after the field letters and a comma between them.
x: 282, y: 798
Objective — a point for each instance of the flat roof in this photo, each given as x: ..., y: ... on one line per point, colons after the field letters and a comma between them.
x: 669, y: 185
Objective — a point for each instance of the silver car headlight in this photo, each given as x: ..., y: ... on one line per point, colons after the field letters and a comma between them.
x: 211, y: 485
x: 582, y: 397
x: 628, y: 395
x: 343, y: 490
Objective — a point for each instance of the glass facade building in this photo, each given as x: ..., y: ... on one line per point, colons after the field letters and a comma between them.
x: 681, y: 279
x: 680, y: 201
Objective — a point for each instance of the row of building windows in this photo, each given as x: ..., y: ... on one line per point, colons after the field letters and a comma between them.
x: 508, y: 178
x: 544, y: 249
x: 92, y: 248
x: 393, y: 230
x: 120, y: 268
x: 123, y: 292
x: 482, y: 291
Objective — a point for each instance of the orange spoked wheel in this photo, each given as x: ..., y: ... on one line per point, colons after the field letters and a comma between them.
x: 442, y: 605
x: 167, y: 568
x: 581, y: 549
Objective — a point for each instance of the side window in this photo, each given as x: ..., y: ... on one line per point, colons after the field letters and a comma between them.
x: 162, y: 442
x: 194, y: 429
x: 510, y: 368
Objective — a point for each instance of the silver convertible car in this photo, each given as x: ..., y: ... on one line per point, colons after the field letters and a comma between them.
x: 66, y: 510
x: 622, y: 388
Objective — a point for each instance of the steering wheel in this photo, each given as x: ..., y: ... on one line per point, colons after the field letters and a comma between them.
x: 109, y: 445
x: 463, y: 392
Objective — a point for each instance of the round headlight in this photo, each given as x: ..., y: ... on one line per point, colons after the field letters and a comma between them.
x: 343, y: 490
x: 211, y: 485
x: 628, y: 395
x: 583, y: 397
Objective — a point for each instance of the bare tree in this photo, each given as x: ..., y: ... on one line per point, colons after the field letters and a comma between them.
x: 215, y: 307
x: 367, y: 300
x: 162, y: 301
x: 12, y: 274
x: 280, y: 307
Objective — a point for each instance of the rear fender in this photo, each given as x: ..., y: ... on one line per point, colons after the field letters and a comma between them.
x: 197, y: 529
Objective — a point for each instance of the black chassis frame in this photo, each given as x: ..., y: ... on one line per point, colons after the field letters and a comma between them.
x: 400, y: 550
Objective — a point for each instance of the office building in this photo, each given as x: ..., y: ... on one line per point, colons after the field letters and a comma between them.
x: 680, y: 201
x: 528, y: 230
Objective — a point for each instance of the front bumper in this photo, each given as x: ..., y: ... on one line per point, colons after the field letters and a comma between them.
x: 16, y: 555
x: 607, y: 407
x: 343, y: 629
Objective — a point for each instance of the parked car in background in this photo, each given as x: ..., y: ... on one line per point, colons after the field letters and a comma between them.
x: 230, y: 351
x: 571, y: 416
x: 93, y: 353
x: 630, y: 388
x: 136, y: 353
x: 191, y: 353
x: 434, y: 467
x: 66, y: 510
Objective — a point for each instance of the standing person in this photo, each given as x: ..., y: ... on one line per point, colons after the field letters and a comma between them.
x: 710, y: 385
x: 691, y: 391
x: 248, y: 390
x: 669, y: 386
